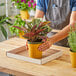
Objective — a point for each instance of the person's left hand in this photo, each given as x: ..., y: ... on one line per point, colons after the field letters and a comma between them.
x: 46, y: 45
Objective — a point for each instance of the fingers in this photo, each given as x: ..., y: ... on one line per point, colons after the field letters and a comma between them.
x: 44, y: 40
x: 44, y: 46
x: 26, y: 45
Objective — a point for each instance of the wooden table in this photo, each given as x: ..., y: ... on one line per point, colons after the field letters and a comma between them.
x: 58, y: 67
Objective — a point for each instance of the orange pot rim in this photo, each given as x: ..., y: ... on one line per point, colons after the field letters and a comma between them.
x: 23, y: 10
x: 72, y: 51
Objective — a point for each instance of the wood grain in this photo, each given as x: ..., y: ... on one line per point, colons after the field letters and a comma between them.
x: 15, y: 73
x: 58, y: 67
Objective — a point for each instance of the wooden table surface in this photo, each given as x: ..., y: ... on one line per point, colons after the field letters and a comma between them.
x: 58, y: 67
x: 13, y: 72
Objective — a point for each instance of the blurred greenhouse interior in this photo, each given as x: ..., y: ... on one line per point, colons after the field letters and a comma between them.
x: 8, y: 10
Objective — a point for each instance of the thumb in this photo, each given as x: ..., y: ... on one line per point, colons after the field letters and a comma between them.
x: 45, y: 39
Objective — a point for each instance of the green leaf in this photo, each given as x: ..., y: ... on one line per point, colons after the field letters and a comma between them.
x: 4, y: 32
x: 8, y: 23
x: 2, y: 17
x: 72, y: 38
x: 36, y: 21
x: 3, y: 20
x: 2, y: 4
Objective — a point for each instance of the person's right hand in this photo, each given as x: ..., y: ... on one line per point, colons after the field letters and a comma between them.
x: 46, y: 45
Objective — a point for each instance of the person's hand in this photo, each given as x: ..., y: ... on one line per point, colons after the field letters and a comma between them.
x: 46, y: 45
x: 27, y: 45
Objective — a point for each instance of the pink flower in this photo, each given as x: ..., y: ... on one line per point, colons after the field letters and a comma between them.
x: 31, y: 1
x: 22, y: 0
x: 29, y: 5
x: 28, y: 2
x: 17, y: 1
x: 34, y: 5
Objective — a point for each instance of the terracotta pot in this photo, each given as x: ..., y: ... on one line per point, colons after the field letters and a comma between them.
x: 73, y: 58
x: 33, y: 50
x: 24, y: 14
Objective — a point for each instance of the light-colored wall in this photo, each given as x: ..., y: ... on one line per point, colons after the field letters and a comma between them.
x: 3, y: 8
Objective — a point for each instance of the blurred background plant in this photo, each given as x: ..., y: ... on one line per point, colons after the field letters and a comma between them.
x: 25, y: 4
x: 2, y: 4
x: 72, y: 39
x: 4, y: 20
x: 18, y: 22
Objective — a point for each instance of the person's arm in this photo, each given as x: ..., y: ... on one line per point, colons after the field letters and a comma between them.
x: 65, y: 31
x: 61, y: 35
x: 39, y: 14
x: 40, y: 9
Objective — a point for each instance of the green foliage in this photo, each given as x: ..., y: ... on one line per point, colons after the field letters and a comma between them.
x: 2, y: 4
x: 18, y: 22
x: 72, y: 39
x: 36, y: 30
x: 4, y: 31
x: 4, y: 20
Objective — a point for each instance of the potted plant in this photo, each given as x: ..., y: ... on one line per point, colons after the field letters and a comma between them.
x: 18, y: 22
x: 72, y: 44
x: 35, y: 31
x: 25, y: 6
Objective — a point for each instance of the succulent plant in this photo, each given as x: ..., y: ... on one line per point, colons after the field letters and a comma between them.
x: 72, y: 39
x: 36, y: 30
